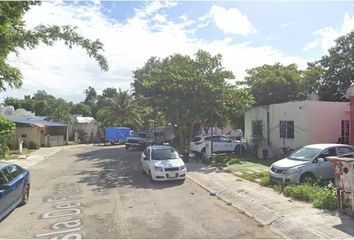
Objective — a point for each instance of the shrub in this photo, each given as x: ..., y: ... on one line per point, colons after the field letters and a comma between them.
x: 320, y: 197
x: 32, y: 145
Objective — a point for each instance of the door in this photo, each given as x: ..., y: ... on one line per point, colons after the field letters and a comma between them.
x: 5, y: 194
x: 226, y: 144
x: 17, y: 182
x: 217, y: 144
x: 325, y: 169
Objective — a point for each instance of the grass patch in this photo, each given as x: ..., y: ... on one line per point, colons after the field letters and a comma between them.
x: 14, y: 154
x: 320, y: 197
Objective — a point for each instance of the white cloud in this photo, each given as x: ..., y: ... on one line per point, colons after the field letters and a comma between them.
x: 327, y: 36
x: 67, y: 73
x: 231, y: 21
x: 310, y: 45
x: 289, y: 24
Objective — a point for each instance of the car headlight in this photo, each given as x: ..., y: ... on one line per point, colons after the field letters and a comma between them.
x: 182, y: 167
x: 159, y: 169
x: 292, y: 170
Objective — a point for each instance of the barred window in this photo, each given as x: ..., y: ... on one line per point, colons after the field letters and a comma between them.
x: 286, y: 129
x: 257, y: 128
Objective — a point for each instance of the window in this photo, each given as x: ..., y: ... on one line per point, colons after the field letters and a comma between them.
x: 257, y: 128
x: 7, y: 174
x: 286, y: 129
x: 15, y: 171
x: 224, y: 139
x: 328, y: 152
x: 345, y: 131
x: 3, y: 179
x: 344, y: 151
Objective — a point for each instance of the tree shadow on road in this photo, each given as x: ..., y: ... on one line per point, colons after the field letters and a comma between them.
x: 114, y: 167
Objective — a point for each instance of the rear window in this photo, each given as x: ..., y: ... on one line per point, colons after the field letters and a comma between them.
x: 196, y: 139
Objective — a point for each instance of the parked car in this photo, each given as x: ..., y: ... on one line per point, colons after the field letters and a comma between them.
x: 235, y: 134
x: 14, y: 187
x: 163, y: 163
x: 220, y: 144
x: 308, y: 164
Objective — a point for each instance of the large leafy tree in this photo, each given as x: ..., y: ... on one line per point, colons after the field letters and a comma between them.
x: 190, y: 92
x: 81, y: 109
x: 338, y: 67
x: 276, y: 83
x: 14, y: 36
x: 7, y: 130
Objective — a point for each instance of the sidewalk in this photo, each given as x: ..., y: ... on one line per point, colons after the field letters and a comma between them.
x: 287, y: 217
x: 39, y: 155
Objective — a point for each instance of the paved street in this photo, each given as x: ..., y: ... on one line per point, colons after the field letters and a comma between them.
x: 101, y: 192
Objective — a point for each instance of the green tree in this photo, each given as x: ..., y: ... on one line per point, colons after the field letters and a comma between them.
x: 276, y: 83
x: 338, y: 69
x: 120, y: 110
x: 14, y: 36
x: 59, y: 111
x: 81, y: 109
x: 189, y: 92
x: 7, y: 130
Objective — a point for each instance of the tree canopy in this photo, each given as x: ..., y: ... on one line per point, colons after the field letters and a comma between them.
x: 190, y: 92
x: 14, y: 36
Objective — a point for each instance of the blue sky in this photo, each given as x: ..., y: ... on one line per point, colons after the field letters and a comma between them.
x: 247, y: 34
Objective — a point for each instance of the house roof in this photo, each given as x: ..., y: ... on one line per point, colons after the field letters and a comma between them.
x: 85, y: 119
x: 33, y: 121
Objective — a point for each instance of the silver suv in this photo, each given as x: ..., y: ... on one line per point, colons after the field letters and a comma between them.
x: 308, y: 164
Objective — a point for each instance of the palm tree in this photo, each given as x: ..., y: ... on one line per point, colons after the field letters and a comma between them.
x: 120, y: 110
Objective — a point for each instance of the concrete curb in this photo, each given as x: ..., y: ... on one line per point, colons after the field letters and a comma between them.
x: 281, y: 224
x: 229, y: 203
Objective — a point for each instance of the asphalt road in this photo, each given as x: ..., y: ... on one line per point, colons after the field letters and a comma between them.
x: 101, y: 192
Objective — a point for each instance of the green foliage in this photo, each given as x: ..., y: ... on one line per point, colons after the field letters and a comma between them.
x: 7, y: 130
x: 14, y: 36
x: 32, y: 145
x: 81, y: 109
x: 119, y: 110
x: 276, y: 83
x: 189, y: 91
x: 338, y: 69
x: 320, y: 197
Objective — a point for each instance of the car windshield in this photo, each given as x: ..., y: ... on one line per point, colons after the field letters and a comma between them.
x: 304, y: 154
x: 164, y: 154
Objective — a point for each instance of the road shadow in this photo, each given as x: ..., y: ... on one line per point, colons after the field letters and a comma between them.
x: 114, y: 167
x: 347, y: 224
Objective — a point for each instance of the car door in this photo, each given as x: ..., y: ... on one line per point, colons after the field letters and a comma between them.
x: 325, y: 169
x: 217, y: 144
x: 17, y: 181
x: 5, y: 194
x: 226, y: 144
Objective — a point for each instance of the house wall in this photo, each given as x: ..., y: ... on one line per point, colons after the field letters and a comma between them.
x: 325, y: 121
x: 258, y: 113
x: 90, y: 130
x: 289, y: 111
x: 30, y: 134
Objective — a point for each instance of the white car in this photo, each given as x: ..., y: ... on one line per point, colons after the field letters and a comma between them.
x: 163, y: 163
x: 220, y: 144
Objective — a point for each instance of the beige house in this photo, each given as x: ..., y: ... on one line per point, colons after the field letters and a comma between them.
x: 295, y: 124
x: 35, y: 131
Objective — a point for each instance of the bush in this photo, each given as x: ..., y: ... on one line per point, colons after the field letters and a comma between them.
x: 320, y: 197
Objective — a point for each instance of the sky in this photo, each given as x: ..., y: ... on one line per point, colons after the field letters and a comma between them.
x: 247, y: 34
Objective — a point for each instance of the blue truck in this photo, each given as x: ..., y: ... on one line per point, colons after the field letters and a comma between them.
x: 117, y: 135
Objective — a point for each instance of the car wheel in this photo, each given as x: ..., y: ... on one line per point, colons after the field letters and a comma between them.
x: 25, y: 195
x: 239, y: 150
x: 307, y: 178
x: 203, y: 154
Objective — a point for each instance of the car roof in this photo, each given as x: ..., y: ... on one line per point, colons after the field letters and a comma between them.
x: 327, y: 145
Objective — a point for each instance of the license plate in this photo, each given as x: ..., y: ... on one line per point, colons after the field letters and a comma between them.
x: 172, y: 175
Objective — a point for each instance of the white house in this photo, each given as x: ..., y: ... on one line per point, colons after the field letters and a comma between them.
x: 83, y: 129
x: 295, y: 124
